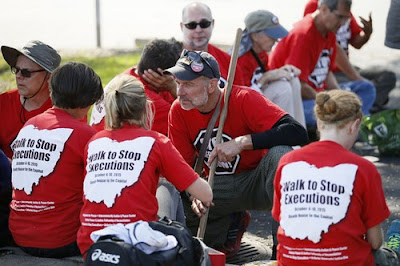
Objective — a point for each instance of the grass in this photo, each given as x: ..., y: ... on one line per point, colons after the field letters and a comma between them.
x: 107, y: 67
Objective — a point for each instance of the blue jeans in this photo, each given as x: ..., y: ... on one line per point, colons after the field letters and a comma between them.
x: 365, y: 90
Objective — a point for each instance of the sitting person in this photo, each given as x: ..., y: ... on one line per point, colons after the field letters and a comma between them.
x: 311, y: 46
x: 156, y: 56
x: 329, y: 201
x: 357, y: 36
x: 48, y: 166
x: 256, y: 133
x: 124, y: 163
x: 32, y: 66
x: 281, y: 86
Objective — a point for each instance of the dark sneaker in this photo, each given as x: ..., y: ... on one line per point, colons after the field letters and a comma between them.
x: 239, y: 223
x: 393, y: 236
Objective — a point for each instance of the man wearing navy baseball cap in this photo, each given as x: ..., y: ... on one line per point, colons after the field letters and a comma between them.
x: 198, y: 63
x: 256, y: 134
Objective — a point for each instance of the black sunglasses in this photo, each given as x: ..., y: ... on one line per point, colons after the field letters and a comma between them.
x: 193, y: 56
x: 24, y: 72
x: 203, y: 24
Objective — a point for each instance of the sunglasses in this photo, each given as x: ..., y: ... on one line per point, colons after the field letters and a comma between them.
x: 24, y: 72
x: 203, y: 24
x: 195, y: 57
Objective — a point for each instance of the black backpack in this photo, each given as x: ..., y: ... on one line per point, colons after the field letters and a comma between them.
x: 109, y: 250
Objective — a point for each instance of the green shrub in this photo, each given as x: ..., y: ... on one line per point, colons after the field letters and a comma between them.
x: 107, y: 67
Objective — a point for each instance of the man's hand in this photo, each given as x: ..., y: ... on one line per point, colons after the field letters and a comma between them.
x: 292, y: 69
x: 225, y: 151
x: 367, y: 25
x: 200, y: 208
x: 160, y: 82
x: 286, y: 72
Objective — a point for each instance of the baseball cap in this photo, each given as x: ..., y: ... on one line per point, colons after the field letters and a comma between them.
x: 263, y: 20
x: 40, y: 53
x: 194, y: 64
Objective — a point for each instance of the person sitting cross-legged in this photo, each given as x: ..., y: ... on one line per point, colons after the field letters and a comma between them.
x: 329, y: 201
x: 48, y: 166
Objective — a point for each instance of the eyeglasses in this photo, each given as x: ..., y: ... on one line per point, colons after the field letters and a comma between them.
x: 203, y: 24
x: 24, y: 72
x: 341, y: 18
x: 194, y: 57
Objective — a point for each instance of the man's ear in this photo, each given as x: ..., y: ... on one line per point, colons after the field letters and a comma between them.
x: 213, y: 85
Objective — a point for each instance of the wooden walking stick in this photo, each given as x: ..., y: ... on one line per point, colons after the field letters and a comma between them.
x: 231, y: 74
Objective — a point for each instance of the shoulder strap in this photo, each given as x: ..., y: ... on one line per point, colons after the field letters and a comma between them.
x: 199, y: 163
x: 258, y: 60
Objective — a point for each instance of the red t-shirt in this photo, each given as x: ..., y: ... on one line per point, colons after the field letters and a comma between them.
x: 47, y: 179
x: 309, y: 51
x: 248, y: 112
x: 162, y: 103
x: 224, y: 60
x: 325, y: 199
x: 344, y: 34
x: 122, y: 172
x: 251, y: 69
x: 13, y: 117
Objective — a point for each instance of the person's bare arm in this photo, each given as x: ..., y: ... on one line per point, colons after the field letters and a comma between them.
x: 331, y: 82
x: 202, y: 196
x: 160, y: 82
x: 307, y: 92
x: 374, y: 237
x: 343, y: 63
x: 201, y: 190
x: 359, y: 40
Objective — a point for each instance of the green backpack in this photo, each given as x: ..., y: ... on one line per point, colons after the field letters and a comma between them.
x: 383, y: 130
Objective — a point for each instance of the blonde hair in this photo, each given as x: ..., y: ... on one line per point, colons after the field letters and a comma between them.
x: 337, y: 107
x: 126, y: 101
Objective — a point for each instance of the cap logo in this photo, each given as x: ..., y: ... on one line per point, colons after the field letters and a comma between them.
x: 197, y: 66
x: 275, y: 20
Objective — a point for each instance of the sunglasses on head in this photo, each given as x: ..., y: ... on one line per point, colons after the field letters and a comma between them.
x: 192, y: 56
x: 24, y: 72
x: 203, y: 24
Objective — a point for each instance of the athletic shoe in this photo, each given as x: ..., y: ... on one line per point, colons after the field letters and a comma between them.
x: 239, y: 223
x: 393, y: 236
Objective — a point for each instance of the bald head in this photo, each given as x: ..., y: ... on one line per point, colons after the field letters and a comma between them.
x: 196, y: 7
